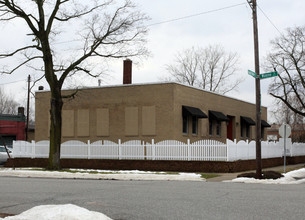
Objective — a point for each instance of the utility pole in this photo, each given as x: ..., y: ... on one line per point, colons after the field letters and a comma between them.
x: 253, y: 5
x: 28, y: 110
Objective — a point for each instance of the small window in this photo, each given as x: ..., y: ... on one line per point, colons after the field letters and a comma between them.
x: 247, y: 131
x: 242, y: 128
x: 210, y: 127
x: 194, y: 125
x: 184, y: 124
x: 218, y: 128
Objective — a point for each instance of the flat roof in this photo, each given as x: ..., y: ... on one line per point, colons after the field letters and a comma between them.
x: 8, y: 117
x: 152, y: 83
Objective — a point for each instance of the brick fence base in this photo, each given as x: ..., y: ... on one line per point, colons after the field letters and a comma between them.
x: 158, y: 165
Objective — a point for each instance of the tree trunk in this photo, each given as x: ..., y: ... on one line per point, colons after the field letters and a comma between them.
x: 55, y: 129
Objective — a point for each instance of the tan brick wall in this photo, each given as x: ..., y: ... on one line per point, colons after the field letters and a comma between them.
x: 68, y: 127
x: 102, y: 122
x: 206, y: 101
x: 140, y: 112
x: 149, y: 120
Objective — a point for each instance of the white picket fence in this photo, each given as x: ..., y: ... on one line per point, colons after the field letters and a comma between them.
x: 203, y: 150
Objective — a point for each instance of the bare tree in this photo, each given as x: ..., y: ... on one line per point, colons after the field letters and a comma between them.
x: 185, y: 68
x: 283, y: 114
x: 210, y: 68
x: 7, y: 104
x: 288, y: 59
x: 101, y: 29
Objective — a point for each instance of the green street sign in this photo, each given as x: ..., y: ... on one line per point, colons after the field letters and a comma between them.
x: 267, y: 75
x: 251, y: 73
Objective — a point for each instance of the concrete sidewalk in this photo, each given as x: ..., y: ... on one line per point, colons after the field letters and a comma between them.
x: 230, y: 176
x: 139, y: 176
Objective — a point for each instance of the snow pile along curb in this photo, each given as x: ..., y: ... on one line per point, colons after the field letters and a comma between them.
x: 102, y: 174
x: 293, y: 177
x: 50, y: 212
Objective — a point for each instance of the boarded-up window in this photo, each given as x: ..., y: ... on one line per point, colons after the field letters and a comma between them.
x: 148, y: 120
x: 83, y: 123
x: 68, y: 123
x: 131, y: 121
x: 102, y: 122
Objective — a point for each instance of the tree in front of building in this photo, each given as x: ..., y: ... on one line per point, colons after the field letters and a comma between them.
x: 287, y: 57
x: 210, y: 68
x: 7, y: 104
x: 68, y: 37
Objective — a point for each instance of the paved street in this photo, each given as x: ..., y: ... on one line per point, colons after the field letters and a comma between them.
x: 157, y: 199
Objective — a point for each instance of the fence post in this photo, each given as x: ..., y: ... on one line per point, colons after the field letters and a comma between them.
x: 153, y: 149
x: 248, y: 146
x: 144, y: 151
x: 33, y: 149
x: 188, y: 149
x: 227, y: 147
x: 120, y: 150
x: 89, y: 150
x: 13, y: 149
x: 235, y: 145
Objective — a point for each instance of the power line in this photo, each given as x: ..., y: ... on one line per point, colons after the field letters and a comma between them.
x: 176, y: 19
x: 194, y: 15
x: 269, y: 20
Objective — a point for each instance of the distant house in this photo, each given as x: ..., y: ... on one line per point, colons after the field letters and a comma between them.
x: 159, y: 111
x: 12, y: 127
x: 297, y: 132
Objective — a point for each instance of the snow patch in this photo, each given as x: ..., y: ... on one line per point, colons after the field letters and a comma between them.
x: 58, y: 212
x: 292, y: 177
x: 102, y: 174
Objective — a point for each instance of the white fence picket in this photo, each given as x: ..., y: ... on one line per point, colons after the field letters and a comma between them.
x: 42, y: 149
x: 204, y: 150
x: 74, y: 149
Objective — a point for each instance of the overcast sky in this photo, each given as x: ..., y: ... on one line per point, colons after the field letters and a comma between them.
x: 218, y: 23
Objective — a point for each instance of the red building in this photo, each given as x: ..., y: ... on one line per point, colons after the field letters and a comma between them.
x: 12, y: 127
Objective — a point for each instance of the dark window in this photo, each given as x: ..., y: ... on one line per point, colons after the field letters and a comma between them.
x: 210, y: 127
x: 244, y: 127
x: 184, y: 124
x: 245, y: 123
x: 218, y: 128
x: 247, y: 130
x: 194, y: 125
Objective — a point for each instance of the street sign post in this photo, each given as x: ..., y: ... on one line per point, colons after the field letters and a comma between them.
x: 251, y: 73
x: 267, y: 75
x: 263, y: 75
x: 285, y: 132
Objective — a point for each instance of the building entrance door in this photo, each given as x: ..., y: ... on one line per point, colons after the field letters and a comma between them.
x: 230, y: 131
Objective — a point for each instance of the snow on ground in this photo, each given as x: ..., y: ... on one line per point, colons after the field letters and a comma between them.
x: 58, y: 212
x: 293, y: 177
x: 101, y: 174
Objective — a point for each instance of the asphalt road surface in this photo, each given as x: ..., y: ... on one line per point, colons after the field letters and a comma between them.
x: 157, y: 199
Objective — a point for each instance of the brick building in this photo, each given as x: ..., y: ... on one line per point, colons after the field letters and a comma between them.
x: 12, y: 127
x: 160, y: 111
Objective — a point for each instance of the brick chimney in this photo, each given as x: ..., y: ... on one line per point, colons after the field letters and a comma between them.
x: 21, y: 111
x: 127, y: 71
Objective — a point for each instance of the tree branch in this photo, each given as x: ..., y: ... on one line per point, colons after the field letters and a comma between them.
x: 19, y: 50
x: 22, y: 64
